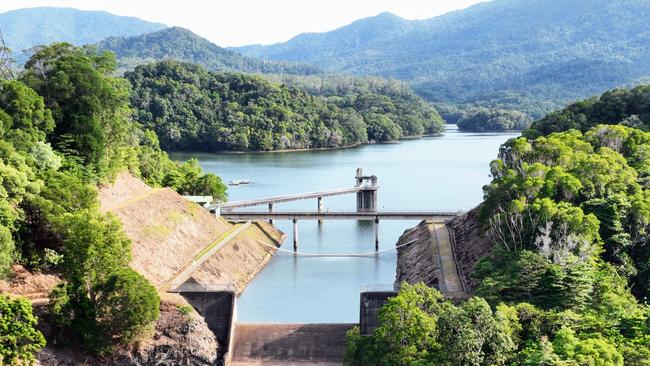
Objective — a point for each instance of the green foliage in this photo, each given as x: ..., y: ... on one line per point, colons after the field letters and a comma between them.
x: 104, y: 302
x: 483, y: 119
x: 19, y: 338
x: 24, y: 120
x: 190, y: 108
x: 90, y: 107
x: 630, y: 107
x: 419, y: 327
x: 125, y: 305
x: 373, y: 98
x: 565, y: 196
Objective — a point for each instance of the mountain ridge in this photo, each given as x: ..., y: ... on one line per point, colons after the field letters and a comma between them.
x: 181, y: 44
x: 29, y: 27
x: 543, y: 52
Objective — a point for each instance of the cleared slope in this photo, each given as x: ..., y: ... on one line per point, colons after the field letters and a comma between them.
x: 168, y: 232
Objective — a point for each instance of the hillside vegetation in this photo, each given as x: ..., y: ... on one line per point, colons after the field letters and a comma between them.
x: 191, y: 108
x: 567, y: 280
x: 182, y: 45
x: 530, y: 55
x: 630, y: 107
x: 65, y: 127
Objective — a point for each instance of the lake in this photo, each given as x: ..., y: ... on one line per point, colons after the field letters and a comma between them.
x: 442, y: 173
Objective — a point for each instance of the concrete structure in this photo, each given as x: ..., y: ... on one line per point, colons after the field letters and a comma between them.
x: 367, y: 194
x: 218, y: 308
x: 201, y: 200
x: 289, y: 344
x: 371, y: 302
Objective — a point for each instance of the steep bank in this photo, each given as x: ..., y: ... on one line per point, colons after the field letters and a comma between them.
x: 425, y: 259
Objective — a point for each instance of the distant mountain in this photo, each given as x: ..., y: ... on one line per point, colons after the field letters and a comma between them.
x: 26, y: 28
x: 530, y: 54
x: 182, y: 45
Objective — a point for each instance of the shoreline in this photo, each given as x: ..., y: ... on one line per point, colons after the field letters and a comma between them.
x: 391, y: 142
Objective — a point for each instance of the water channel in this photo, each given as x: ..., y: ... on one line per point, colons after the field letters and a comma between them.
x: 442, y: 173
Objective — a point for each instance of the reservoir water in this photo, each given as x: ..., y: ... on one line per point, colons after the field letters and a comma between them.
x: 445, y: 172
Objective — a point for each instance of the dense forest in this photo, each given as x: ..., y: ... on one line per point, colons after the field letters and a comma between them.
x: 568, y: 278
x: 182, y: 45
x: 630, y: 107
x: 65, y: 128
x: 191, y: 108
x: 483, y: 119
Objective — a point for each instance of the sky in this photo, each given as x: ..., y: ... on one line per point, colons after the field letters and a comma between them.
x: 243, y: 22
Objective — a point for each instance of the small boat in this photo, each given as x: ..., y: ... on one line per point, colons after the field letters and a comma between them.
x: 237, y: 182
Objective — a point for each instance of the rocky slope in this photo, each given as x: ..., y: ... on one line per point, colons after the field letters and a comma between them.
x: 418, y: 262
x: 179, y: 338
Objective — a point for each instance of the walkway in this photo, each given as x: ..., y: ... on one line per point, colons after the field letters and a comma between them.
x: 204, y: 254
x: 439, y: 216
x: 450, y: 283
x: 286, y: 198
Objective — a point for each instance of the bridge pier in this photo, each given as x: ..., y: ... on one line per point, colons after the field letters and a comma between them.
x: 376, y: 234
x: 295, y: 235
x: 320, y: 209
x: 271, y: 210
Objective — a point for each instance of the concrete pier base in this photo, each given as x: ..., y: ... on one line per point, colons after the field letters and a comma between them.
x: 295, y: 235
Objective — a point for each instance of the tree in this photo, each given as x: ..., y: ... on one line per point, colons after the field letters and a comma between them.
x: 125, y: 305
x: 420, y: 327
x: 19, y: 338
x: 89, y: 107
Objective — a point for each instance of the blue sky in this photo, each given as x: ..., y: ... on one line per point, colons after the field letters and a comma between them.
x: 241, y: 22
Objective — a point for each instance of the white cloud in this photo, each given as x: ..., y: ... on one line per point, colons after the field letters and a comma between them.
x: 241, y: 22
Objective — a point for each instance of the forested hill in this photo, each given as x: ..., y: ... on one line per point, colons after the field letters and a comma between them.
x: 533, y: 55
x: 191, y: 108
x: 182, y: 45
x: 629, y: 107
x: 26, y: 28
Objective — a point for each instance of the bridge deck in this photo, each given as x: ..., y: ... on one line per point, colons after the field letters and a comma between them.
x: 288, y: 198
x: 298, y: 215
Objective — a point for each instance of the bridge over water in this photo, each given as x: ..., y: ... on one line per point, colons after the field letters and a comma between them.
x: 366, y: 189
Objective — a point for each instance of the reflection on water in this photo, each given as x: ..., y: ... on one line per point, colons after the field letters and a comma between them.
x: 437, y: 173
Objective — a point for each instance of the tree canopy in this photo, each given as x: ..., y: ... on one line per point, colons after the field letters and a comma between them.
x: 191, y: 108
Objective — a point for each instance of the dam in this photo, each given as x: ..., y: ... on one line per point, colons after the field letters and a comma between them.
x: 431, y: 173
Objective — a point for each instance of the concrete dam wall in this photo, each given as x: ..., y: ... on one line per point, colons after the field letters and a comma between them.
x: 289, y: 344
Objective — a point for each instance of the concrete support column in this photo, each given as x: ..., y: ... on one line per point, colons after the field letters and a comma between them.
x: 295, y: 235
x: 376, y: 234
x: 320, y: 209
x: 271, y: 210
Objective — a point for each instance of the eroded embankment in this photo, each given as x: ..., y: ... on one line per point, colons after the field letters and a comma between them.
x: 435, y: 259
